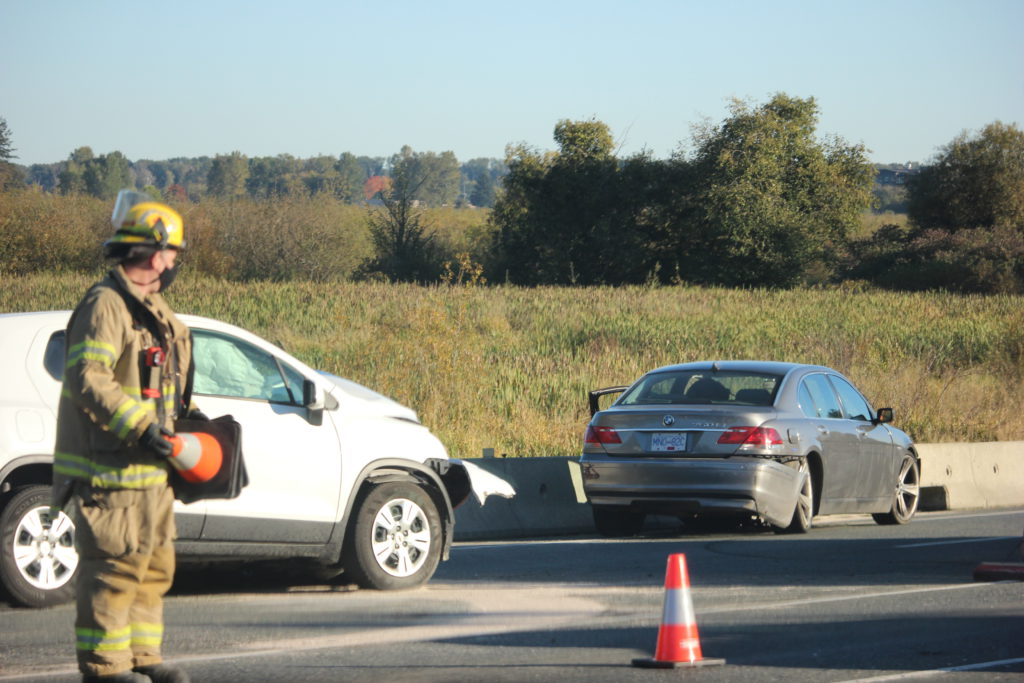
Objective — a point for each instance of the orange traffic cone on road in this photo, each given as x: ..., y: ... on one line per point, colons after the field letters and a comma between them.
x: 678, y: 640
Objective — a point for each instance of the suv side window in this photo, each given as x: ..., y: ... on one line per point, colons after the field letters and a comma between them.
x: 856, y: 407
x: 53, y: 357
x: 228, y: 366
x: 823, y: 397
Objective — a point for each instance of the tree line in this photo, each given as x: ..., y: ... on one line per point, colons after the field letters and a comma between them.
x: 757, y: 200
x: 347, y: 177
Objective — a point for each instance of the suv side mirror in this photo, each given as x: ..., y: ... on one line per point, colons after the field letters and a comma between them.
x: 313, y: 399
x: 884, y: 415
x: 309, y: 395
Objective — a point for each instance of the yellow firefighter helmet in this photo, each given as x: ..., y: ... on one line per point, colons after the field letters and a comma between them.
x: 138, y: 220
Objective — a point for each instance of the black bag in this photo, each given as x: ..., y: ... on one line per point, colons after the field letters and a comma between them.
x: 231, y: 478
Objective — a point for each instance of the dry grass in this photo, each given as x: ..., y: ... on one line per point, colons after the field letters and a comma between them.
x: 509, y: 368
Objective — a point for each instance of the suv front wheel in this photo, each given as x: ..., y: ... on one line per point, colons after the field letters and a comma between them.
x: 38, y: 560
x: 395, y: 539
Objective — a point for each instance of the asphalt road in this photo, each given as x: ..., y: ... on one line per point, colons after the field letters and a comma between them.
x: 850, y: 601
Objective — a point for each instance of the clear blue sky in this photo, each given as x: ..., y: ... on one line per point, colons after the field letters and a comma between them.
x: 309, y: 77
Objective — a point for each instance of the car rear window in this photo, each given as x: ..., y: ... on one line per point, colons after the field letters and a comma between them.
x: 702, y: 387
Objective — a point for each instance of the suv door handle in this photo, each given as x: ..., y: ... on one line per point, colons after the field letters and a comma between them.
x: 823, y: 430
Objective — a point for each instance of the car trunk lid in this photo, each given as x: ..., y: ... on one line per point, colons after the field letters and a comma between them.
x: 675, y: 431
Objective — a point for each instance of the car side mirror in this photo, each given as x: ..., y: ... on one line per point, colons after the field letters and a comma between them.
x: 883, y: 416
x: 313, y: 400
x: 309, y: 397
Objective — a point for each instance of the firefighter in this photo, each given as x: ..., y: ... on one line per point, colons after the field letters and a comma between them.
x: 127, y: 362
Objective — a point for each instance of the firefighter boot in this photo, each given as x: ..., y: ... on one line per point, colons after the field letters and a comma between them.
x: 162, y: 673
x: 122, y: 677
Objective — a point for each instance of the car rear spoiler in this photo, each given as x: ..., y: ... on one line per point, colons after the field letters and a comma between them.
x: 594, y: 395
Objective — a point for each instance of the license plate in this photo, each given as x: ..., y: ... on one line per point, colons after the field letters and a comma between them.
x: 668, y: 442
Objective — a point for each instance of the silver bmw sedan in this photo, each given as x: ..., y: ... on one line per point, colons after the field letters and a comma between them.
x: 779, y: 442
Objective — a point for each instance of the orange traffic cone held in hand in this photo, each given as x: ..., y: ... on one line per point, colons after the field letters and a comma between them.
x: 678, y: 640
x: 197, y: 456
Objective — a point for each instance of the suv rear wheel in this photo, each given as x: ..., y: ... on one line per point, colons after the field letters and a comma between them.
x: 395, y: 539
x: 38, y: 560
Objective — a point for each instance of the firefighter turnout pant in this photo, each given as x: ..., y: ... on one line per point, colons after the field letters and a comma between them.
x: 125, y: 542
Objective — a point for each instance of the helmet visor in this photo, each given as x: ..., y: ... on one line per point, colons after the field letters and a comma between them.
x: 126, y: 199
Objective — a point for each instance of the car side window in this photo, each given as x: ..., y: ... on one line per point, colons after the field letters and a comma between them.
x: 806, y: 402
x: 53, y: 357
x: 822, y: 396
x: 228, y: 366
x: 856, y: 407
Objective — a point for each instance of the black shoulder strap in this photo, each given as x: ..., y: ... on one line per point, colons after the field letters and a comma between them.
x: 139, y: 314
x: 142, y: 317
x: 186, y: 396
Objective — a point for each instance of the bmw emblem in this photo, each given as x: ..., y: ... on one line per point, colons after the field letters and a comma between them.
x: 668, y: 420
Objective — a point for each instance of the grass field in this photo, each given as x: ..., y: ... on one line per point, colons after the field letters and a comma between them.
x: 509, y: 368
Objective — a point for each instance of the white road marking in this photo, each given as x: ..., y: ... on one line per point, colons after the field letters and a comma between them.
x: 983, y: 539
x: 938, y: 672
x: 939, y: 516
x: 842, y: 598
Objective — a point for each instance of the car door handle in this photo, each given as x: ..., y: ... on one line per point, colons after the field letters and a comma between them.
x: 823, y: 430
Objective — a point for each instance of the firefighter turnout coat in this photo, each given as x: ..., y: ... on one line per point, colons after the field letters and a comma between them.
x: 126, y: 365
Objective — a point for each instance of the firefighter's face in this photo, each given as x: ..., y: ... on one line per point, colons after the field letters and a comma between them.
x: 167, y: 257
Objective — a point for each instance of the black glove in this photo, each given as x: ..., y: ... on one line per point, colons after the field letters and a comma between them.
x: 155, y: 439
x: 196, y: 415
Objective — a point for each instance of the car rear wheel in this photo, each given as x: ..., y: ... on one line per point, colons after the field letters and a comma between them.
x: 38, y: 560
x: 395, y: 540
x: 803, y: 513
x: 613, y: 521
x: 906, y: 496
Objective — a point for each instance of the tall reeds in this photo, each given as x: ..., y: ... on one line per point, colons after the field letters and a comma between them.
x: 508, y: 368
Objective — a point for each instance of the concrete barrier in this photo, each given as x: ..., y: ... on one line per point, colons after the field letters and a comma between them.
x: 549, y: 499
x: 546, y: 503
x: 959, y: 476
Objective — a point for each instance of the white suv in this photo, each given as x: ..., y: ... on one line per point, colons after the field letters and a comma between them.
x: 338, y: 474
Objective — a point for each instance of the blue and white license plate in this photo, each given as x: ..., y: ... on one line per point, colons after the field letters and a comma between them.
x: 668, y: 442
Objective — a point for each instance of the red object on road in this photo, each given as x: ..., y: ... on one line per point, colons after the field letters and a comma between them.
x: 999, y: 571
x: 678, y: 640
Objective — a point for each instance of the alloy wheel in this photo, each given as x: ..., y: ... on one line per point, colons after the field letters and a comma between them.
x: 45, y: 553
x: 908, y: 489
x: 401, y: 537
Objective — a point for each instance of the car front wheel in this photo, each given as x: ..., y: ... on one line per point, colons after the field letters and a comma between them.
x: 908, y: 492
x: 38, y: 560
x: 395, y: 540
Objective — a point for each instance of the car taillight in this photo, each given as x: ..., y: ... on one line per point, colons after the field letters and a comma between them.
x: 600, y: 435
x: 751, y: 436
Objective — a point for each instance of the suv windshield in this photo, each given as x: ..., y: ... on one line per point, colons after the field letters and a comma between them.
x: 689, y: 387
